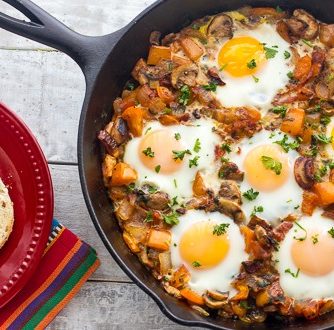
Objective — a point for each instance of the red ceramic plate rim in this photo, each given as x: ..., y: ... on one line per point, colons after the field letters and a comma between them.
x: 40, y: 225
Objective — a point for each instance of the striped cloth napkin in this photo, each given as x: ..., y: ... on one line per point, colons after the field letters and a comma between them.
x: 66, y: 265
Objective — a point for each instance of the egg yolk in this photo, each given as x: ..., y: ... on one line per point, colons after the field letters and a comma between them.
x: 199, y: 245
x: 156, y: 149
x: 315, y: 255
x: 260, y: 173
x: 242, y: 56
x: 332, y: 135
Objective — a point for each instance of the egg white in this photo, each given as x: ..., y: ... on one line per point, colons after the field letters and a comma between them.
x: 279, y: 203
x: 244, y: 91
x: 304, y: 286
x: 220, y: 276
x: 178, y: 183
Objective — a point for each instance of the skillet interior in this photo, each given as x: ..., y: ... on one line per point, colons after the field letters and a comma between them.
x: 97, y: 112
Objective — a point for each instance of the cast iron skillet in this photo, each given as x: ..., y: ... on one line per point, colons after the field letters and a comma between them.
x: 106, y: 63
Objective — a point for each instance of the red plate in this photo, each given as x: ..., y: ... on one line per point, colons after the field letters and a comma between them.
x: 24, y: 170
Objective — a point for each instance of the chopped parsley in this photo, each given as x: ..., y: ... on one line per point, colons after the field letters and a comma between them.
x: 303, y: 238
x: 257, y: 209
x: 211, y: 87
x: 295, y: 275
x: 180, y: 154
x: 149, y: 216
x: 251, y: 64
x: 320, y: 173
x: 322, y: 138
x: 272, y: 164
x: 290, y: 75
x: 315, y: 238
x: 280, y: 109
x: 171, y: 219
x: 287, y: 55
x: 185, y: 95
x: 330, y: 77
x: 152, y: 189
x: 175, y: 183
x: 148, y: 152
x: 167, y: 111
x: 250, y: 194
x: 131, y: 187
x: 174, y: 201
x: 147, y: 130
x: 307, y: 43
x: 244, y: 304
x: 270, y: 53
x: 193, y: 162
x: 331, y: 232
x: 197, y: 146
x: 226, y: 147
x: 157, y: 168
x: 325, y: 120
x: 256, y: 79
x: 196, y: 264
x: 286, y: 144
x: 220, y: 229
x: 177, y: 136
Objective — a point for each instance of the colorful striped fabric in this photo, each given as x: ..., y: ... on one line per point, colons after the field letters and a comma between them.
x: 66, y: 265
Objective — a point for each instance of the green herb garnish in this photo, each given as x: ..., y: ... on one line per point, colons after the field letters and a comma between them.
x: 177, y: 136
x: 270, y: 53
x: 157, y: 168
x: 272, y: 164
x: 220, y: 229
x: 331, y: 232
x: 290, y: 75
x: 250, y: 194
x: 211, y: 87
x: 286, y: 144
x: 193, y: 162
x: 306, y: 42
x: 171, y: 219
x: 251, y: 64
x: 322, y: 138
x: 280, y: 109
x: 149, y: 216
x: 287, y: 55
x: 257, y: 209
x: 226, y: 147
x: 197, y: 146
x: 185, y: 95
x: 196, y: 264
x: 256, y: 79
x: 303, y: 238
x: 295, y: 275
x: 180, y: 154
x: 315, y: 238
x: 148, y: 152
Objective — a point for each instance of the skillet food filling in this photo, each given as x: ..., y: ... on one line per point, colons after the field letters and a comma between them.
x: 219, y: 163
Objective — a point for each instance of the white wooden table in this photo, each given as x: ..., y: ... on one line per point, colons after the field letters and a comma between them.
x: 46, y: 88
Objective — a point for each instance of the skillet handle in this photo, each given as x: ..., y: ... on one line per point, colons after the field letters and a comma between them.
x: 44, y: 28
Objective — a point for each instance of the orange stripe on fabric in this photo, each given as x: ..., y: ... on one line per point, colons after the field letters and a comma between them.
x: 54, y: 240
x: 53, y: 313
x: 49, y: 280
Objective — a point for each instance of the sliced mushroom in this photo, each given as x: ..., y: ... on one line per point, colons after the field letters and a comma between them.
x: 217, y: 295
x: 213, y: 73
x: 212, y: 303
x: 156, y: 201
x: 230, y: 171
x: 184, y: 75
x: 155, y: 38
x: 120, y: 131
x: 230, y: 190
x: 231, y: 209
x: 200, y: 310
x: 330, y: 59
x: 254, y: 316
x: 303, y: 25
x: 108, y: 141
x: 326, y: 34
x: 304, y: 172
x: 283, y: 30
x: 172, y: 291
x: 221, y: 26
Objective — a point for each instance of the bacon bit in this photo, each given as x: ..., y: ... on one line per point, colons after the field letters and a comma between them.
x: 219, y: 152
x: 309, y: 203
x: 281, y: 230
x: 329, y: 212
x: 157, y: 216
x: 302, y: 93
x: 303, y: 68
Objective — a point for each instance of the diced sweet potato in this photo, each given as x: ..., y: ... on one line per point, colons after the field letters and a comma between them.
x: 158, y: 53
x: 242, y: 294
x: 303, y: 68
x: 192, y: 296
x: 310, y: 201
x: 325, y: 192
x: 262, y: 298
x: 199, y: 188
x: 191, y: 48
x: 123, y: 174
x: 159, y: 239
x: 249, y: 237
x: 165, y: 94
x: 168, y: 120
x: 293, y: 122
x: 135, y: 120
